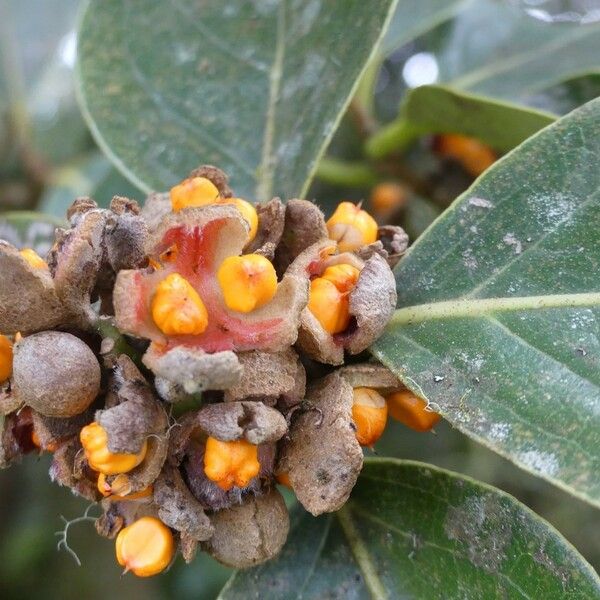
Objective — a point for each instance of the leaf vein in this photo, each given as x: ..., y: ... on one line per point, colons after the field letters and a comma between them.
x: 319, y: 550
x: 455, y: 552
x: 208, y: 35
x: 264, y: 187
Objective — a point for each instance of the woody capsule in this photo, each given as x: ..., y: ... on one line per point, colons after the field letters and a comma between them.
x: 200, y: 291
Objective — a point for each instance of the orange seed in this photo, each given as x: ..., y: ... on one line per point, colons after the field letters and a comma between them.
x: 351, y: 227
x: 33, y: 258
x: 230, y: 463
x: 474, y: 156
x: 94, y: 440
x: 409, y: 409
x: 195, y: 191
x: 177, y: 308
x: 369, y: 413
x: 145, y: 547
x: 247, y: 282
x: 6, y: 358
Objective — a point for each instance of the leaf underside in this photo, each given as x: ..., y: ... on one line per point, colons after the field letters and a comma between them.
x: 499, y: 308
x: 414, y: 531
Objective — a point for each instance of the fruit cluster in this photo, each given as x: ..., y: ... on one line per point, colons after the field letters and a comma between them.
x: 179, y: 360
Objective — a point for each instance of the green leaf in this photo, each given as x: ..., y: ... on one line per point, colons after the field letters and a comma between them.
x: 256, y: 88
x: 25, y: 229
x: 567, y: 95
x: 500, y: 304
x: 494, y: 48
x: 418, y: 215
x: 94, y: 176
x: 435, y: 109
x: 411, y: 19
x: 37, y: 94
x: 411, y: 530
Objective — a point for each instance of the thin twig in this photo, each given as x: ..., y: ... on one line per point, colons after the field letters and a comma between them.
x: 63, y: 543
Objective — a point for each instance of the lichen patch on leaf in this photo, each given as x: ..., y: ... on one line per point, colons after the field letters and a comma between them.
x: 481, y: 530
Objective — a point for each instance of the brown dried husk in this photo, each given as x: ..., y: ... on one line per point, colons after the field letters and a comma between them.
x: 270, y: 228
x: 267, y: 376
x: 253, y: 421
x: 251, y: 533
x: 134, y: 416
x: 28, y: 298
x: 321, y: 455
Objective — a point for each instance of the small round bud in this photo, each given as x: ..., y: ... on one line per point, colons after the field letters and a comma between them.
x: 33, y: 258
x: 177, y: 308
x: 351, y: 227
x: 55, y: 373
x: 196, y: 191
x: 145, y: 547
x: 387, y: 197
x: 329, y: 305
x: 6, y: 358
x: 247, y: 282
x: 248, y: 213
x: 231, y: 463
x: 369, y: 413
x: 94, y: 440
x: 411, y: 411
x: 474, y: 156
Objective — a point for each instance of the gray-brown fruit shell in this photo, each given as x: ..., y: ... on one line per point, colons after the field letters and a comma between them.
x: 371, y: 375
x: 55, y: 373
x: 70, y: 469
x: 253, y: 421
x: 28, y: 298
x: 178, y: 508
x: 195, y: 370
x: 321, y: 454
x: 304, y: 226
x: 270, y: 228
x: 372, y: 304
x: 250, y: 533
x: 267, y: 376
x: 134, y: 416
x: 51, y: 431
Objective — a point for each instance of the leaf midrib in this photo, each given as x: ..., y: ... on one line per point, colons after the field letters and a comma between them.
x: 265, y: 172
x: 478, y: 307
